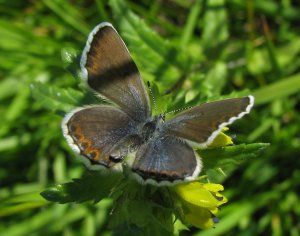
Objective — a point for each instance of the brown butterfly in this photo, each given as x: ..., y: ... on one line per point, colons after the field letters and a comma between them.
x: 105, y: 134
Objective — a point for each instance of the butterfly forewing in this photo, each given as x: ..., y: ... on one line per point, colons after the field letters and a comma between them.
x: 110, y: 70
x: 201, y: 124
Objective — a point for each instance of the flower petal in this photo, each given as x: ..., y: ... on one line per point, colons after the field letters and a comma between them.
x: 221, y: 140
x: 213, y: 187
x: 194, y: 193
x: 200, y: 217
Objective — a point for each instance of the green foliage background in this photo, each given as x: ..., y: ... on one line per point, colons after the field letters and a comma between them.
x: 193, y: 50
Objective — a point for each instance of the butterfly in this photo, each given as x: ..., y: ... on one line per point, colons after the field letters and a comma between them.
x: 105, y: 134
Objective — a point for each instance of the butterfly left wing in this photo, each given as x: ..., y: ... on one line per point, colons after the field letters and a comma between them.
x: 201, y: 124
x: 166, y: 159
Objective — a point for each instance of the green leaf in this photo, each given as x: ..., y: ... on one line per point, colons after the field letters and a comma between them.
x: 9, y: 87
x: 141, y: 210
x: 216, y: 77
x: 14, y: 205
x: 94, y: 186
x: 190, y: 26
x: 224, y: 160
x: 73, y: 17
x: 257, y: 60
x: 54, y: 98
x: 212, y: 158
x: 215, y: 31
x: 277, y: 90
x: 287, y: 56
x: 161, y: 101
x: 141, y: 217
x: 17, y: 105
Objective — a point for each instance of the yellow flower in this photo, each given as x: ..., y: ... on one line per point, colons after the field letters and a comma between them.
x: 221, y: 140
x: 200, y: 203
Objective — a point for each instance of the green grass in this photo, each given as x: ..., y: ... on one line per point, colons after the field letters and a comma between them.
x: 193, y: 50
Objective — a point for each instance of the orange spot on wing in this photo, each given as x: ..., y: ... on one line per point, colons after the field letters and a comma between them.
x: 85, y: 145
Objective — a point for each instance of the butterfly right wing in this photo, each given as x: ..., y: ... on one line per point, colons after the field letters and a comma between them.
x: 93, y: 132
x: 201, y: 124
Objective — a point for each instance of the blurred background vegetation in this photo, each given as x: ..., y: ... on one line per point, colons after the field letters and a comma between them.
x: 195, y: 50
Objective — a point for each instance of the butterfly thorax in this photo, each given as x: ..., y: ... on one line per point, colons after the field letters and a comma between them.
x: 146, y: 131
x: 151, y: 128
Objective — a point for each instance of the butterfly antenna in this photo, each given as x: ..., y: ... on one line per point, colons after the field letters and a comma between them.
x: 152, y: 95
x: 177, y: 110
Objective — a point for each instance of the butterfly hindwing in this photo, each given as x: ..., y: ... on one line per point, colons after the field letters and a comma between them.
x: 93, y: 132
x: 166, y: 159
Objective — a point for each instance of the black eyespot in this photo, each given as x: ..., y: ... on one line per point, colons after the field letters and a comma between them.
x: 116, y: 159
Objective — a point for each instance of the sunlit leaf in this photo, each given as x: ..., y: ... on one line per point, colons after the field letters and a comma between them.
x: 92, y: 187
